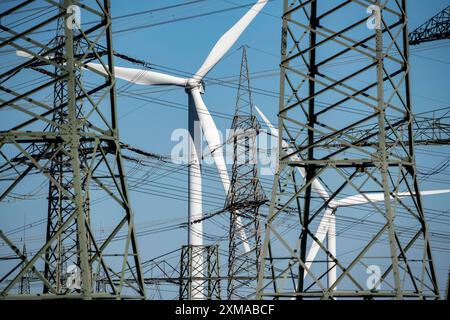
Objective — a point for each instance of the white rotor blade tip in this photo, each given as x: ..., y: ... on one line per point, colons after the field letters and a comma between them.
x: 432, y: 192
x: 229, y: 39
x: 379, y: 196
x: 272, y: 129
x: 212, y: 137
x: 24, y: 54
x: 21, y: 53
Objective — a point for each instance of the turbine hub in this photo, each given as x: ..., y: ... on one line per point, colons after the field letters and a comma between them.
x: 195, y: 83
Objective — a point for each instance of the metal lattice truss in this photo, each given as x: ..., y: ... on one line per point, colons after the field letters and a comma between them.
x: 245, y: 196
x: 343, y: 71
x: 63, y: 252
x: 437, y: 28
x: 430, y: 131
x: 69, y: 138
x: 199, y: 273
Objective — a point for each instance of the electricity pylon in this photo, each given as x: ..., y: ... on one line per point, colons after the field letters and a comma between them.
x: 199, y: 281
x: 335, y: 77
x: 245, y: 195
x: 63, y: 251
x: 437, y: 28
x: 87, y: 117
x: 24, y: 284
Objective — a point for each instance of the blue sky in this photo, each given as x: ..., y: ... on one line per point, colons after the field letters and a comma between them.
x: 183, y: 45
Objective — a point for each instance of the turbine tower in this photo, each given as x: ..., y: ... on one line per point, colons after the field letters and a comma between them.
x: 322, y: 161
x: 245, y: 195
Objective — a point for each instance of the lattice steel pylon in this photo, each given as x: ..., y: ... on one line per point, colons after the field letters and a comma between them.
x: 62, y: 252
x: 88, y: 117
x: 342, y: 70
x: 245, y: 195
x: 437, y: 28
x: 199, y: 281
x: 24, y: 284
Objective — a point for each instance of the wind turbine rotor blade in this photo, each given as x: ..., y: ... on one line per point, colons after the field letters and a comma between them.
x: 328, y: 221
x: 320, y: 234
x: 139, y: 76
x: 428, y: 192
x: 358, y: 199
x: 228, y: 40
x: 21, y: 53
x: 24, y: 54
x: 272, y: 129
x: 215, y: 146
x: 316, y: 185
x: 379, y: 196
x: 212, y: 137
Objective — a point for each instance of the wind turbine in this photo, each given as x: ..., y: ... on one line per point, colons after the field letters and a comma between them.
x: 327, y: 225
x: 197, y: 112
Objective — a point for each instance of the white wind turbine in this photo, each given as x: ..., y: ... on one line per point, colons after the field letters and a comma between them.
x: 327, y: 225
x: 197, y: 112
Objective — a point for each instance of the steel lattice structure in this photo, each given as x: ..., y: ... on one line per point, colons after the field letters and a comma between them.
x: 448, y: 286
x: 24, y: 284
x: 330, y: 65
x: 246, y: 194
x: 437, y: 28
x: 63, y: 250
x: 199, y: 281
x: 430, y: 131
x: 40, y: 134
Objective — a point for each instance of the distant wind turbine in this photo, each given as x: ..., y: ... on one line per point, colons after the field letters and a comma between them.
x: 327, y: 225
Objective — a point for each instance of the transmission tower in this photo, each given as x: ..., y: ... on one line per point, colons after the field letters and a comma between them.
x: 245, y: 195
x: 63, y: 251
x: 199, y: 281
x: 335, y: 77
x: 73, y: 143
x: 437, y: 28
x: 24, y: 284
